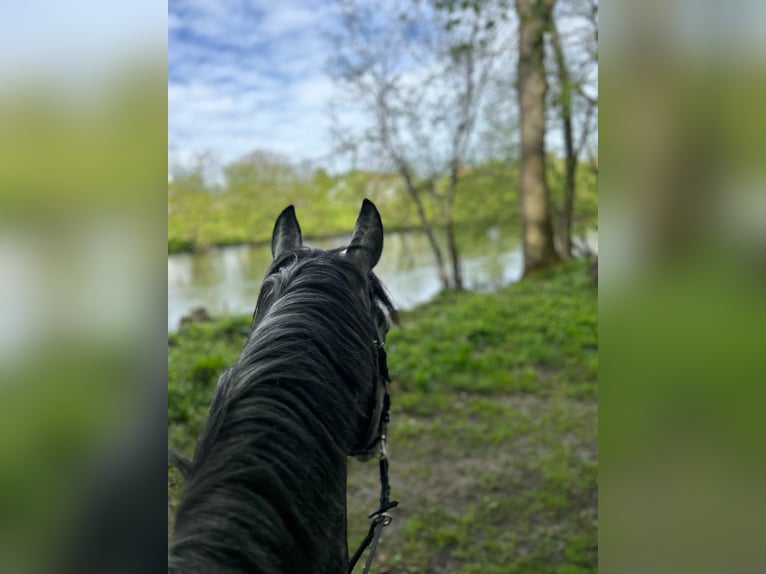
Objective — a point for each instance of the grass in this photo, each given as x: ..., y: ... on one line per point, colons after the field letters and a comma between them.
x: 493, y: 428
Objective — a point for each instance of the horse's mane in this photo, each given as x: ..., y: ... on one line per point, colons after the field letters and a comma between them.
x: 283, y: 419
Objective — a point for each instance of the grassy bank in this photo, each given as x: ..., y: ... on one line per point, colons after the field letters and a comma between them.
x: 493, y: 430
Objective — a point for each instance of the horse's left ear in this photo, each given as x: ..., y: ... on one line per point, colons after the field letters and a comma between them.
x: 367, y: 241
x: 287, y: 233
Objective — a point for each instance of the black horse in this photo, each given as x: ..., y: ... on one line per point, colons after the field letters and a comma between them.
x: 266, y: 489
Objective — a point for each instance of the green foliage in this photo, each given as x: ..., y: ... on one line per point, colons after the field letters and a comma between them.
x: 493, y: 427
x: 585, y: 216
x: 530, y: 338
x: 256, y: 189
x: 197, y: 355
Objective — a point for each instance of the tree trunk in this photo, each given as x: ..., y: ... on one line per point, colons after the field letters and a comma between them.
x: 537, y: 230
x: 426, y: 226
x: 449, y: 226
x: 565, y: 111
x: 457, y: 276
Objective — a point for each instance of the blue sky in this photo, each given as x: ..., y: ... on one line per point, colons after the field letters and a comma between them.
x: 247, y: 75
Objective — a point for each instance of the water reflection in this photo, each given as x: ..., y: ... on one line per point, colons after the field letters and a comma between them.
x: 227, y: 280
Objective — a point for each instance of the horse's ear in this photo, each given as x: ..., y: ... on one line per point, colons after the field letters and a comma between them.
x: 367, y: 241
x: 287, y: 233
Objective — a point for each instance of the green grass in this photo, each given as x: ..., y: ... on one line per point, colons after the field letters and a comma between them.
x: 493, y: 428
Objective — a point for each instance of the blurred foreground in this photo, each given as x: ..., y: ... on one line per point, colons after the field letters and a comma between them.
x: 683, y: 276
x: 82, y: 282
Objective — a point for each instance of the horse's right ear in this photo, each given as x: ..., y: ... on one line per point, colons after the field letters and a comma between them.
x: 287, y: 233
x: 367, y: 240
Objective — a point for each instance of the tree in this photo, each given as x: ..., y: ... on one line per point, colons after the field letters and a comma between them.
x: 575, y: 59
x: 537, y: 229
x: 418, y: 76
x: 191, y: 189
x: 570, y: 91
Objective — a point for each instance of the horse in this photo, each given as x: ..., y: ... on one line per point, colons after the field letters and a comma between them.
x: 265, y: 491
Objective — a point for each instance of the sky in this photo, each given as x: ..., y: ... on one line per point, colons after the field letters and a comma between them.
x: 251, y: 75
x: 248, y: 75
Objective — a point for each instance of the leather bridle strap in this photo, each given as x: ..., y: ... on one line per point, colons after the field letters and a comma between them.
x: 380, y: 517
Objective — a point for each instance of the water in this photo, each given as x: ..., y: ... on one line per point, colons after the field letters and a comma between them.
x: 227, y: 280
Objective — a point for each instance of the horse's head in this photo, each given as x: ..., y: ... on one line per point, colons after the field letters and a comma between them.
x: 343, y: 274
x: 265, y: 490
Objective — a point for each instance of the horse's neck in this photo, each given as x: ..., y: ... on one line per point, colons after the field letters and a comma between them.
x: 301, y: 473
x: 270, y: 493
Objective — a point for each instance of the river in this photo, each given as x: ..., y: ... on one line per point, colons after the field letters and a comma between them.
x: 227, y: 280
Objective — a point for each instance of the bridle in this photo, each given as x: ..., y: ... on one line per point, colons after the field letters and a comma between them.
x: 379, y: 410
x: 376, y: 435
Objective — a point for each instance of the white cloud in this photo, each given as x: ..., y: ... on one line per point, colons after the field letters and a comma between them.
x: 244, y: 76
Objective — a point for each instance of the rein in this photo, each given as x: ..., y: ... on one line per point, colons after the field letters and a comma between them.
x: 380, y: 517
